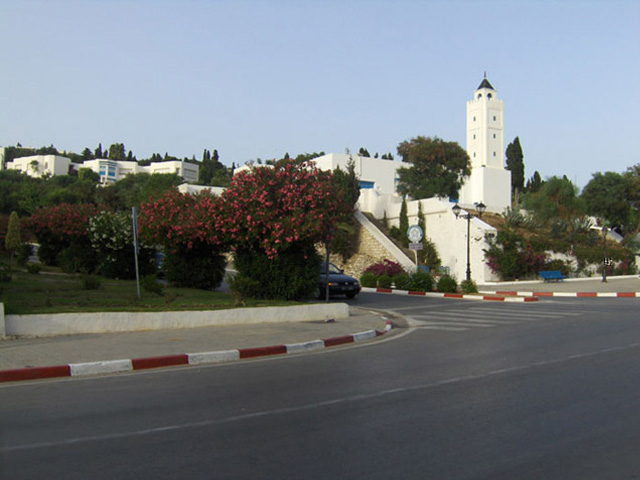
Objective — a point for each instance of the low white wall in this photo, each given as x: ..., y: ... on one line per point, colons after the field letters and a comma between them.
x: 2, y: 327
x: 41, y: 325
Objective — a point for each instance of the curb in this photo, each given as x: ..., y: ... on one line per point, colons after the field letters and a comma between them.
x: 201, y: 358
x: 487, y: 296
x: 568, y: 294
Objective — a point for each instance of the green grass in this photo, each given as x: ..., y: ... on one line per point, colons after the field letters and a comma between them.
x: 58, y: 293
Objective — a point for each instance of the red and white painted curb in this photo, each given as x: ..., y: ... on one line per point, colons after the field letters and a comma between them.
x: 568, y: 294
x: 497, y: 297
x: 202, y: 358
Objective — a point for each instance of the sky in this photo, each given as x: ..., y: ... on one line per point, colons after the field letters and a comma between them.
x: 258, y: 79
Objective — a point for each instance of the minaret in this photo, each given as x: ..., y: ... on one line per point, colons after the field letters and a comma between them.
x: 489, y: 182
x: 485, y: 127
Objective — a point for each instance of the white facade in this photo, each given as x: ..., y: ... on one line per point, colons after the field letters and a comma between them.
x: 195, y: 189
x: 40, y: 165
x: 373, y: 173
x: 489, y: 182
x: 113, y: 170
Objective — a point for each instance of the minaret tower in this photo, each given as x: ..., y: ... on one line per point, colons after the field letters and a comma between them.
x: 489, y: 181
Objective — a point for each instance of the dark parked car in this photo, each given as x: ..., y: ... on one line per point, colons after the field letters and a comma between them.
x: 339, y: 283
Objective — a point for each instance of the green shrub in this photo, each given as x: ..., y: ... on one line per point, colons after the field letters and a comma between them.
x: 243, y: 288
x: 447, y: 284
x: 90, y: 282
x: 34, y: 268
x: 402, y: 281
x: 5, y: 272
x: 151, y: 284
x: 368, y: 280
x: 200, y: 266
x: 24, y: 252
x: 292, y: 275
x: 421, y: 281
x: 468, y: 286
x: 384, y: 281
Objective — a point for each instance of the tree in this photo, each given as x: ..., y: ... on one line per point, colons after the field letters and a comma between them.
x: 557, y: 198
x: 363, y: 152
x: 404, y: 223
x: 12, y: 241
x: 117, y: 152
x: 274, y: 217
x: 98, y: 152
x: 515, y: 164
x: 190, y: 228
x: 438, y: 167
x: 606, y: 196
x: 61, y: 232
x: 534, y: 183
x: 345, y: 242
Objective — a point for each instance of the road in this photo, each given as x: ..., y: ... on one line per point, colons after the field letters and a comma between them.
x: 474, y: 390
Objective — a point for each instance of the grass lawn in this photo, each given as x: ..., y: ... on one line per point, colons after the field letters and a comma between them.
x: 52, y: 292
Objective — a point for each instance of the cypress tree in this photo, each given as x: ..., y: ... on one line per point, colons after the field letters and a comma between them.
x: 515, y: 163
x: 12, y: 241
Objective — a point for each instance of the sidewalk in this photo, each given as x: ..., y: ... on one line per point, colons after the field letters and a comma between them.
x: 595, y: 285
x: 169, y: 346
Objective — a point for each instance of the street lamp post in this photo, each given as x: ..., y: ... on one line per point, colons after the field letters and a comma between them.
x: 604, y: 259
x: 480, y: 208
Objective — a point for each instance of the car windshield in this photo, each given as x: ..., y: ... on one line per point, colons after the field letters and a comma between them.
x: 332, y: 268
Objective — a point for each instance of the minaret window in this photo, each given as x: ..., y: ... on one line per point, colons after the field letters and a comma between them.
x: 489, y: 95
x: 479, y: 95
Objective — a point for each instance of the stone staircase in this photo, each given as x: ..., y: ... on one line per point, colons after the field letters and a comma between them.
x: 373, y: 247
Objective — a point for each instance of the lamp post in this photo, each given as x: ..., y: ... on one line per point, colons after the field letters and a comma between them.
x: 604, y: 259
x: 480, y: 208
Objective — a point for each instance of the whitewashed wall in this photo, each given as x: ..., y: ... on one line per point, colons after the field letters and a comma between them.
x: 448, y: 233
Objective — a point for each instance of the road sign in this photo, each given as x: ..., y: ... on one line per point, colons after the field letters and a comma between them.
x: 415, y: 233
x: 416, y: 246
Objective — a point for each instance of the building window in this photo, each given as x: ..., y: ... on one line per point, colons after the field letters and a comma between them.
x: 494, y: 135
x: 479, y: 95
x: 489, y: 95
x: 474, y: 119
x: 494, y: 118
x: 366, y: 185
x: 474, y: 136
x: 494, y: 154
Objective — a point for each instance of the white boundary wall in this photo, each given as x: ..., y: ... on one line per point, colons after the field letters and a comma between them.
x: 42, y: 325
x: 448, y: 233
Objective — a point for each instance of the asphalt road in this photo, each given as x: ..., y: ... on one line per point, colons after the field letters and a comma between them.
x: 474, y: 390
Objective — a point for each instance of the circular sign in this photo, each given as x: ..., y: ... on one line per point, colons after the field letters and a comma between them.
x: 415, y: 233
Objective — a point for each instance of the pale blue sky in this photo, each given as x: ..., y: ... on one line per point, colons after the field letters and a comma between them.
x: 261, y: 78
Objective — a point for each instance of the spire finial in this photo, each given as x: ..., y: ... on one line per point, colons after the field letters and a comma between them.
x: 485, y: 74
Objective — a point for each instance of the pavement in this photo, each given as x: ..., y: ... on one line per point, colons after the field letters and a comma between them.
x: 83, y: 355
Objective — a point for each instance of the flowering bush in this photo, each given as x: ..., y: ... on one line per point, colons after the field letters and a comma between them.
x: 511, y: 257
x: 274, y: 217
x: 63, y: 228
x: 386, y: 267
x: 111, y: 237
x: 270, y: 209
x: 190, y: 229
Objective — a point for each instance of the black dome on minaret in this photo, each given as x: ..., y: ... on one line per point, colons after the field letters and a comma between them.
x: 485, y: 84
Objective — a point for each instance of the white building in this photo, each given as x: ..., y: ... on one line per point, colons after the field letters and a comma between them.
x: 113, y: 170
x: 373, y: 173
x: 41, y: 165
x: 489, y: 182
